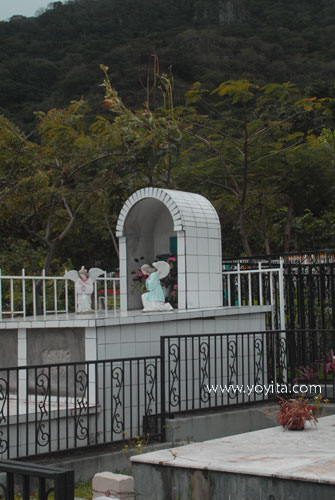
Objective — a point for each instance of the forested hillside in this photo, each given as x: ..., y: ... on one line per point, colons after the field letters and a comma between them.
x: 232, y: 99
x: 50, y: 59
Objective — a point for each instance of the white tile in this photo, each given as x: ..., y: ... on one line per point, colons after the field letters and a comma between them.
x: 181, y: 299
x: 90, y: 333
x: 22, y: 333
x: 25, y: 324
x: 128, y: 334
x: 215, y: 282
x: 113, y: 351
x: 204, y: 281
x: 215, y: 298
x: 90, y: 349
x: 156, y: 331
x: 41, y: 324
x: 202, y: 232
x: 113, y: 335
x: 183, y: 327
x: 128, y: 350
x: 181, y: 266
x: 204, y: 299
x: 203, y: 264
x: 202, y: 246
x: 101, y: 336
x: 192, y: 300
x: 142, y: 333
x: 77, y: 323
x: 191, y: 232
x: 191, y: 246
x: 22, y: 349
x: 214, y: 246
x: 181, y: 243
x: 214, y: 264
x: 214, y: 233
x: 142, y: 349
x: 192, y: 264
x: 192, y: 281
x: 196, y: 326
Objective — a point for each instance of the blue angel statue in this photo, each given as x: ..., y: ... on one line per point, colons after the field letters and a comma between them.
x: 153, y: 299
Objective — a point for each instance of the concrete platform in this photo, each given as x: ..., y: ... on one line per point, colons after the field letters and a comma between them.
x: 269, y: 464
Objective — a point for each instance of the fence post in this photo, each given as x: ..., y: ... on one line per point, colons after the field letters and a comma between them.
x: 162, y: 357
x: 283, y: 334
x: 260, y: 280
x: 23, y: 293
x: 105, y: 291
x: 66, y: 295
x: 44, y: 294
x: 281, y: 295
x: 0, y: 296
x: 239, y: 295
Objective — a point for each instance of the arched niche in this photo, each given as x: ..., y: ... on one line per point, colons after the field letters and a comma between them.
x: 153, y: 217
x: 149, y: 231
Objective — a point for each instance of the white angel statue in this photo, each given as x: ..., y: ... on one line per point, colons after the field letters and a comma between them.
x: 153, y: 299
x: 84, y: 282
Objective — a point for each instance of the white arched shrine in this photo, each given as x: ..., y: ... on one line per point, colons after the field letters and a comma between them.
x: 156, y: 221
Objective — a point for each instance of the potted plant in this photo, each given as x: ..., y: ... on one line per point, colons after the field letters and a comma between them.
x: 293, y: 413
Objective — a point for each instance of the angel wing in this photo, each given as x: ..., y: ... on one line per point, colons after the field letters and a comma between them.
x: 71, y: 275
x: 95, y: 272
x: 162, y: 267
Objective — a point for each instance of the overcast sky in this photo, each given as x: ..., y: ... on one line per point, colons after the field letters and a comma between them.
x: 9, y: 8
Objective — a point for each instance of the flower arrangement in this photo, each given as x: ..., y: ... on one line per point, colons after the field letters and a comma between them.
x: 139, y: 278
x: 293, y: 413
x: 329, y: 365
x: 170, y: 282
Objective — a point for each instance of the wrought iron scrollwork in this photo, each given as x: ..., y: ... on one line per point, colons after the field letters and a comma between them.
x: 3, y: 488
x: 81, y: 404
x: 174, y: 357
x: 118, y: 424
x: 232, y: 365
x: 150, y: 374
x: 204, y: 355
x: 282, y: 352
x: 259, y: 359
x: 42, y: 382
x: 3, y: 444
x: 4, y: 390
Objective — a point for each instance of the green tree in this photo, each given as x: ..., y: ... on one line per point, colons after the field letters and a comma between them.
x: 241, y: 144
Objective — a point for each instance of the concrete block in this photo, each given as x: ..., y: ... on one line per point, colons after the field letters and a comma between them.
x: 110, y: 484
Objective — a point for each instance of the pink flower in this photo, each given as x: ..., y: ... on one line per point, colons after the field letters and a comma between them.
x: 173, y: 292
x: 139, y: 274
x: 175, y: 286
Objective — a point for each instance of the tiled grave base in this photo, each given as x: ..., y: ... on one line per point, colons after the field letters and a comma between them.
x: 261, y: 465
x: 111, y: 335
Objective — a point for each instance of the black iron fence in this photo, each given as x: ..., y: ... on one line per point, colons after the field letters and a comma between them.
x: 51, y: 408
x: 212, y: 371
x: 62, y: 481
x: 308, y: 284
x: 310, y: 295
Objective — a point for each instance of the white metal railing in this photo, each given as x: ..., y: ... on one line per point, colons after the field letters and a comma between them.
x: 19, y: 295
x: 258, y: 286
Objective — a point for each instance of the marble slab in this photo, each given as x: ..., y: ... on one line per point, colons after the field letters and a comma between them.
x: 307, y: 455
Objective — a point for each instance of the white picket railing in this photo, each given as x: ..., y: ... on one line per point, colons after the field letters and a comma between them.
x: 258, y: 286
x: 18, y: 295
